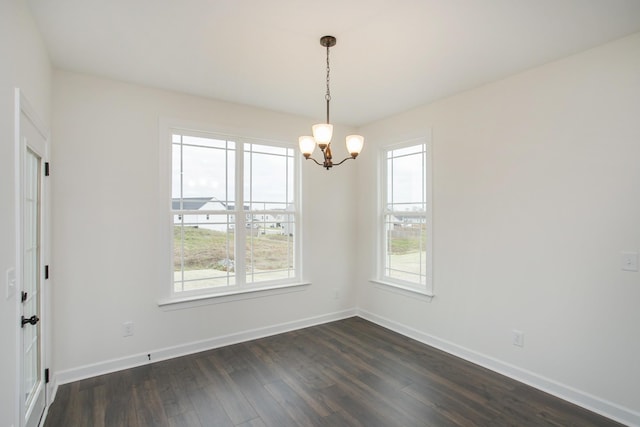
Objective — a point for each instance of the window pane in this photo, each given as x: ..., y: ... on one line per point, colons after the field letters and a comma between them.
x: 206, y: 142
x: 406, y: 184
x: 270, y: 249
x: 208, y: 172
x: 203, y: 251
x: 406, y: 249
x: 268, y: 177
x: 176, y: 172
x: 269, y: 187
x: 399, y: 152
x: 268, y: 149
x: 290, y: 179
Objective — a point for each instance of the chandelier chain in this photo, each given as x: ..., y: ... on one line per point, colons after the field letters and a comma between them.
x: 328, y: 94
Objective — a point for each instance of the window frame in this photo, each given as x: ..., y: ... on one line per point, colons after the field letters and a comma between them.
x: 405, y: 286
x: 241, y: 289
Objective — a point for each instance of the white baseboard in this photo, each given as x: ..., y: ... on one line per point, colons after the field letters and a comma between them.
x: 113, y: 365
x: 570, y: 394
x: 52, y: 389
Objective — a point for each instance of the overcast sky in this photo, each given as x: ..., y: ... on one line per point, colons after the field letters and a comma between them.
x: 210, y: 172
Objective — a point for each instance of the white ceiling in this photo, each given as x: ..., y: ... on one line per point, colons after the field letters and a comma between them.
x: 390, y: 56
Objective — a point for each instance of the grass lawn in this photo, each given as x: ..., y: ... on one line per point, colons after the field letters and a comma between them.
x: 407, y: 241
x: 210, y: 249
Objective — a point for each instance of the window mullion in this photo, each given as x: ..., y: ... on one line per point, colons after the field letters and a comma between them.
x: 423, y: 249
x: 240, y: 226
x: 383, y: 194
x: 181, y: 216
x: 226, y: 198
x: 249, y: 239
x: 182, y: 253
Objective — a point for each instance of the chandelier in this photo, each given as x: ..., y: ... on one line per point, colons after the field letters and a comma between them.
x: 323, y: 132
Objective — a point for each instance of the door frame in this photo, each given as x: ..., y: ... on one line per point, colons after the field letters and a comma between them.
x: 22, y: 107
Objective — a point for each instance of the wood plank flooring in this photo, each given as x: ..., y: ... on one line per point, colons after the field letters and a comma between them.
x: 345, y: 373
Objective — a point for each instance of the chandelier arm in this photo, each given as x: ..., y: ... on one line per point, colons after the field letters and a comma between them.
x: 344, y: 160
x: 317, y: 162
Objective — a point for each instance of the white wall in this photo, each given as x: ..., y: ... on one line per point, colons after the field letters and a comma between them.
x: 24, y: 64
x: 106, y: 225
x: 536, y: 193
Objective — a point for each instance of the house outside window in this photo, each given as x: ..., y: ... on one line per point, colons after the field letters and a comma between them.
x: 406, y: 220
x: 234, y: 213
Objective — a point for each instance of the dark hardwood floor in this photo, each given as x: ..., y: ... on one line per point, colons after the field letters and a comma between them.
x: 345, y: 373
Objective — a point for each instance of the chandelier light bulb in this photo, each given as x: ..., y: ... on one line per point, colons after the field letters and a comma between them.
x: 307, y: 145
x: 355, y: 144
x: 322, y: 133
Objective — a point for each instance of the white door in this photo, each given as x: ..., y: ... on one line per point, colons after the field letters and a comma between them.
x: 31, y: 146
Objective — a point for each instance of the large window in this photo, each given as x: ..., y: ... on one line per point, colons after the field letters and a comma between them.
x: 405, y: 224
x: 234, y: 213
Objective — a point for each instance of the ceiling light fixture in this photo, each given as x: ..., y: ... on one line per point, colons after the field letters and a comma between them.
x: 323, y: 132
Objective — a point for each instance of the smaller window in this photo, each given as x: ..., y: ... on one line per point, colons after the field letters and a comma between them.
x: 405, y: 222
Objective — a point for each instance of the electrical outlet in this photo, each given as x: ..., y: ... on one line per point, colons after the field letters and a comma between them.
x: 127, y: 329
x: 629, y: 261
x: 518, y: 338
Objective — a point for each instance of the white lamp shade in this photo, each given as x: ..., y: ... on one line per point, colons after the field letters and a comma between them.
x: 322, y: 133
x: 307, y: 144
x: 355, y: 144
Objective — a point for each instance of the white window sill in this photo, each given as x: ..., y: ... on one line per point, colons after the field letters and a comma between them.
x: 396, y: 288
x: 181, y: 302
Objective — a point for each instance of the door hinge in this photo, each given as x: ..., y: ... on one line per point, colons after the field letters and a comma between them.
x: 46, y: 376
x: 46, y: 272
x: 46, y: 168
x: 23, y: 296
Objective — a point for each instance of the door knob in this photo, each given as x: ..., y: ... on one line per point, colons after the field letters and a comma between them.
x: 32, y: 320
